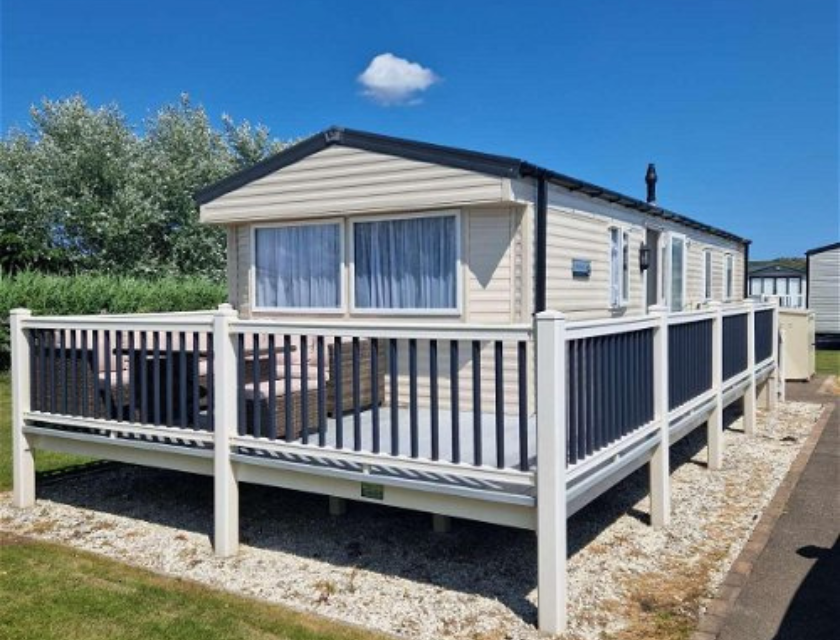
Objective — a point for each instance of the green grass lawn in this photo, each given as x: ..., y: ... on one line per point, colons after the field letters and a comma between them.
x: 828, y: 362
x: 48, y: 591
x: 45, y: 461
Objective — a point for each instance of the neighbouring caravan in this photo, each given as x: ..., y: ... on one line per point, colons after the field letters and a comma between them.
x: 775, y: 280
x: 823, y: 269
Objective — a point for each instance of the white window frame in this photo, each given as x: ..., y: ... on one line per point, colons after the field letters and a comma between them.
x: 455, y: 311
x: 342, y: 269
x: 707, y: 291
x: 663, y: 247
x: 670, y: 270
x: 623, y: 234
x: 729, y: 277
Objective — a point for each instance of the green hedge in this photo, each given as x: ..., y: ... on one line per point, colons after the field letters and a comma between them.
x: 92, y: 294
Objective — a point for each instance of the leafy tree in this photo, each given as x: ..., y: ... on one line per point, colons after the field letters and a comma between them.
x: 82, y: 191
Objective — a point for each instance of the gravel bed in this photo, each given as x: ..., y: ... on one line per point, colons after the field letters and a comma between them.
x: 385, y: 568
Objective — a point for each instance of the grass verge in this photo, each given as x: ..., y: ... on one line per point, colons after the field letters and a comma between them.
x: 48, y: 591
x: 828, y: 362
x: 45, y: 461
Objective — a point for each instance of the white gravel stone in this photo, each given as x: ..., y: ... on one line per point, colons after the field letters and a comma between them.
x: 386, y: 569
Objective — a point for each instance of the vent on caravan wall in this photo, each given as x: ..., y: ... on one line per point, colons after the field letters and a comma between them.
x: 650, y: 180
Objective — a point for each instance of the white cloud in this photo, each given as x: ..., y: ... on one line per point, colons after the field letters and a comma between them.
x: 389, y: 80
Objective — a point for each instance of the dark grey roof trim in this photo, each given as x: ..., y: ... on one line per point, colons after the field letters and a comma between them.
x: 776, y: 270
x: 288, y: 156
x: 486, y: 163
x: 828, y: 247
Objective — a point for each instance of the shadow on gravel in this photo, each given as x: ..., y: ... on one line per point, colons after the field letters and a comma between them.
x: 86, y: 469
x: 492, y: 561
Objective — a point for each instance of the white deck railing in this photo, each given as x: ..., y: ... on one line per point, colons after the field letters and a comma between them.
x: 518, y: 425
x: 787, y: 301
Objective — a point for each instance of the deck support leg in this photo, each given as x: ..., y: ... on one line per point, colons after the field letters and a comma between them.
x: 714, y: 425
x: 552, y: 549
x: 660, y: 464
x: 776, y: 381
x: 771, y: 391
x: 23, y: 460
x: 338, y: 506
x: 441, y: 524
x: 749, y: 392
x: 226, y: 486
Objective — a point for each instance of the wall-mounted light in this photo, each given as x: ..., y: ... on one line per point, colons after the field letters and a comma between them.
x: 644, y: 257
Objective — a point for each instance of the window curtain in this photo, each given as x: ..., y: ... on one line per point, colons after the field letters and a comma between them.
x: 767, y: 286
x: 677, y: 273
x: 615, y: 268
x: 730, y: 274
x: 405, y: 264
x: 625, y: 266
x: 298, y: 266
x: 707, y: 275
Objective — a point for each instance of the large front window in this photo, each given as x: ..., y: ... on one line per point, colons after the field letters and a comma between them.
x: 298, y: 266
x: 406, y: 263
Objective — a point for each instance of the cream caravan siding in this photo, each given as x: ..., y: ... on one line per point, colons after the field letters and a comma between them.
x: 578, y: 228
x: 574, y: 233
x: 231, y: 264
x: 740, y: 271
x: 241, y: 277
x: 824, y: 290
x: 340, y: 180
x: 494, y: 266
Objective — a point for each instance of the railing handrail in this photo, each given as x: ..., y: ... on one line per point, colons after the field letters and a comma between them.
x: 770, y: 298
x: 695, y: 315
x: 121, y: 323
x: 735, y: 310
x: 197, y: 320
x: 578, y: 329
x: 399, y: 331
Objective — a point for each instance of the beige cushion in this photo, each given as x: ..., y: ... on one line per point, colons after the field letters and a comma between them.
x: 262, y: 391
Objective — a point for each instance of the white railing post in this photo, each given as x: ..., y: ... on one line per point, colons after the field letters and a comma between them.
x: 777, y: 375
x: 226, y: 488
x: 781, y: 369
x: 552, y: 581
x: 749, y: 392
x: 660, y: 472
x: 714, y: 425
x: 23, y: 460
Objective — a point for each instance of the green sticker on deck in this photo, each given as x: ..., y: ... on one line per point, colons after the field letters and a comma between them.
x: 373, y: 491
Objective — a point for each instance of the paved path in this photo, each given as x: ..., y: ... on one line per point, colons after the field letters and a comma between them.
x: 793, y: 591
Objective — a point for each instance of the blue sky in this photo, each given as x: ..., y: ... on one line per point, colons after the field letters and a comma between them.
x: 735, y: 101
